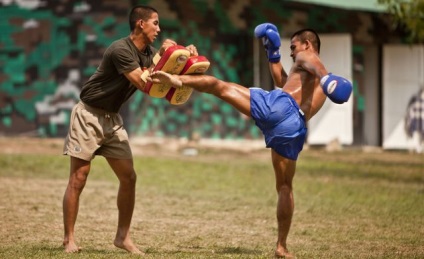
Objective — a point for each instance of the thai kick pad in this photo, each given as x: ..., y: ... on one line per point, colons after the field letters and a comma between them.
x: 172, y: 61
x: 194, y: 65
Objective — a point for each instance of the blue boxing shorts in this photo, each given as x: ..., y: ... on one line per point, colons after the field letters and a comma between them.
x: 280, y: 119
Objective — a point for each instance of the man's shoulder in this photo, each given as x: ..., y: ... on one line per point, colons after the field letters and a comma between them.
x: 306, y: 56
x: 120, y: 43
x: 120, y: 47
x: 298, y: 69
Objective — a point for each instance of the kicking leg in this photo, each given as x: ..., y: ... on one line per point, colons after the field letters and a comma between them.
x: 77, y: 179
x: 124, y: 170
x: 284, y: 172
x: 236, y: 95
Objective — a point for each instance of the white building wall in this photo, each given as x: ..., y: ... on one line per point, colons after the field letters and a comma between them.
x: 403, y: 76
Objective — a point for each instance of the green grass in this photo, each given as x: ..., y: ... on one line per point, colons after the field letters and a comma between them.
x: 221, y: 205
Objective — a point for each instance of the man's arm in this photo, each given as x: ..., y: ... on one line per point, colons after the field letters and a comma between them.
x: 337, y: 88
x: 270, y: 37
x: 279, y: 75
x: 311, y: 63
x: 135, y: 78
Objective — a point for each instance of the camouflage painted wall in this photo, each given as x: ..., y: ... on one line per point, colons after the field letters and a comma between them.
x: 49, y: 48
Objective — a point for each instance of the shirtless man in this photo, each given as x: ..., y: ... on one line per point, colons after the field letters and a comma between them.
x: 281, y: 114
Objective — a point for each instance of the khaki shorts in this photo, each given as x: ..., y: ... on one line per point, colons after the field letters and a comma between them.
x: 94, y: 132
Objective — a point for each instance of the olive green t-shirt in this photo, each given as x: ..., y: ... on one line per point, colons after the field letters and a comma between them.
x: 108, y: 88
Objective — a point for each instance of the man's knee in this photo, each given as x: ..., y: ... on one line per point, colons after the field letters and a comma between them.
x: 78, y: 179
x: 284, y: 189
x: 129, y: 178
x: 133, y: 177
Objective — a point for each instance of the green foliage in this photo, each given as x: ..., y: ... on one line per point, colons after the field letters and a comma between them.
x: 408, y: 13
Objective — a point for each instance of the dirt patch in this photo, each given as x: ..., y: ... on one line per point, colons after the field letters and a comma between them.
x: 222, y: 150
x: 25, y: 145
x: 152, y: 147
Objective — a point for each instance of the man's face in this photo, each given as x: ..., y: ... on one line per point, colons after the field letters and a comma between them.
x: 151, y: 27
x: 295, y: 47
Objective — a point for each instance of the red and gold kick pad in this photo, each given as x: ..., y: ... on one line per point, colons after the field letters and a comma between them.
x: 176, y: 60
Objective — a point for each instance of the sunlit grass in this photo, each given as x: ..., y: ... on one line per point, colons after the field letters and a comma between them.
x: 221, y: 205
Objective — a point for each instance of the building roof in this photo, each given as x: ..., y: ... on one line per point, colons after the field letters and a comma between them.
x: 365, y: 5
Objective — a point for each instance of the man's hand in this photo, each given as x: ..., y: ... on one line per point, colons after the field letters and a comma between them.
x: 268, y: 32
x: 193, y: 50
x: 337, y: 88
x: 166, y: 44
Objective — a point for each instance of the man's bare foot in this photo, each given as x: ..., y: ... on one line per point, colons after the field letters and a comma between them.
x: 283, y: 253
x: 71, y: 247
x: 127, y: 245
x: 160, y: 77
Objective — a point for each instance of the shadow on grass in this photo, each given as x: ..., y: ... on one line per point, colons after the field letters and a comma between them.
x: 238, y: 250
x: 217, y: 252
x: 44, y: 251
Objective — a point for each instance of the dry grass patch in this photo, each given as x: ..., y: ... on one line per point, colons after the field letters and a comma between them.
x: 219, y: 204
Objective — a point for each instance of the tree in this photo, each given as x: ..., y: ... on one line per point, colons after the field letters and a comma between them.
x: 408, y: 14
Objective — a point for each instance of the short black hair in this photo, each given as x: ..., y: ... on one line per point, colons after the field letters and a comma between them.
x: 308, y: 34
x: 140, y: 12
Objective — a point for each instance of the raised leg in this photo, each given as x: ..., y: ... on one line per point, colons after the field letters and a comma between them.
x: 236, y: 95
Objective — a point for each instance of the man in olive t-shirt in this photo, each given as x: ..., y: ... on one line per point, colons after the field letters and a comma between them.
x: 96, y: 128
x: 109, y: 87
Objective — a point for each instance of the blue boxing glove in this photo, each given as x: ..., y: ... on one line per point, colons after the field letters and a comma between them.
x: 337, y: 88
x: 268, y: 32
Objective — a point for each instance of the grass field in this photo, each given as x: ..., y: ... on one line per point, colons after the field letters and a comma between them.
x: 219, y: 204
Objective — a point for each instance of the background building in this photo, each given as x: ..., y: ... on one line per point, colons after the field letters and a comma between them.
x: 49, y: 48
